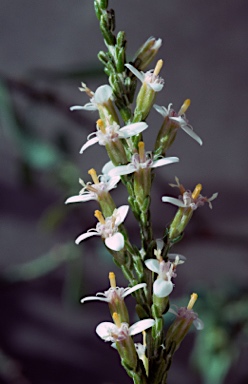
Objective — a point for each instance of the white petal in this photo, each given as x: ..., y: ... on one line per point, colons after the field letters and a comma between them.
x: 140, y: 326
x: 198, y: 323
x: 81, y: 198
x: 132, y: 129
x: 89, y: 143
x: 113, y: 182
x: 115, y: 242
x: 122, y: 170
x: 105, y: 329
x: 86, y: 107
x: 85, y: 236
x: 107, y: 167
x: 153, y: 265
x: 172, y: 257
x: 191, y: 133
x: 121, y: 214
x: 103, y: 94
x: 157, y: 87
x: 133, y: 289
x: 162, y: 288
x: 89, y: 298
x: 165, y: 161
x: 172, y: 311
x: 162, y: 110
x: 135, y: 71
x: 173, y: 201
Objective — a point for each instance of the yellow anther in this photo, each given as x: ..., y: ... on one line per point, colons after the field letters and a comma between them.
x: 158, y: 67
x: 141, y: 146
x: 99, y: 216
x: 184, y: 107
x: 192, y: 300
x: 112, y: 280
x: 144, y: 337
x: 93, y: 175
x: 197, y: 191
x: 116, y: 319
x: 100, y: 125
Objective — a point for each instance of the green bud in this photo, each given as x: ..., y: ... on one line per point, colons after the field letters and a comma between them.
x: 146, y: 53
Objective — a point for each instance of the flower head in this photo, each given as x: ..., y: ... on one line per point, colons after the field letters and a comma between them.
x: 93, y: 191
x: 102, y: 95
x: 117, y: 332
x: 151, y: 77
x: 189, y: 199
x: 114, y: 293
x: 111, y: 132
x: 163, y: 286
x: 141, y: 160
x: 188, y: 314
x: 108, y: 229
x: 179, y: 118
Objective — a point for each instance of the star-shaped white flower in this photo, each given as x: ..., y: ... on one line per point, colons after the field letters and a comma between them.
x: 190, y: 199
x: 101, y: 96
x: 108, y: 229
x: 141, y: 160
x: 112, y: 132
x: 115, y: 333
x: 179, y: 118
x: 92, y: 191
x: 150, y: 78
x: 163, y: 286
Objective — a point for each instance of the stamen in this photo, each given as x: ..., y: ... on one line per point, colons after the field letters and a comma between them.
x: 94, y: 176
x: 192, y: 300
x: 112, y: 280
x: 87, y: 90
x: 196, y: 191
x: 184, y: 107
x: 116, y: 319
x: 141, y: 146
x: 99, y: 216
x: 144, y: 337
x: 158, y: 67
x: 100, y: 125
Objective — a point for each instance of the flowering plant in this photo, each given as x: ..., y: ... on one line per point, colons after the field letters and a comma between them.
x: 150, y: 268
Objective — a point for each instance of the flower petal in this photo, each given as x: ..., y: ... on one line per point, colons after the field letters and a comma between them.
x: 198, y: 323
x: 191, y: 133
x: 162, y: 288
x: 105, y: 329
x: 172, y: 200
x: 122, y: 170
x: 133, y: 289
x: 135, y: 71
x: 103, y: 94
x: 132, y: 129
x: 87, y: 107
x: 89, y: 298
x: 115, y: 242
x: 164, y: 161
x: 140, y: 326
x: 81, y: 198
x: 86, y: 235
x: 153, y: 265
x: 89, y: 143
x: 121, y: 214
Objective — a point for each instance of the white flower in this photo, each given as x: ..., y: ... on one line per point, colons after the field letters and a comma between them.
x: 179, y: 118
x: 163, y: 285
x: 102, y: 95
x: 150, y: 78
x: 141, y: 160
x: 92, y: 191
x: 114, y: 293
x: 112, y: 132
x: 111, y: 332
x: 108, y: 229
x: 190, y: 199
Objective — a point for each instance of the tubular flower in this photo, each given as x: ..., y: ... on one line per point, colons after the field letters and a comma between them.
x: 189, y: 199
x: 177, y: 120
x: 147, y: 52
x: 92, y: 191
x: 114, y: 293
x: 108, y: 229
x: 141, y: 160
x: 163, y: 286
x: 188, y: 314
x: 112, y: 133
x: 121, y: 331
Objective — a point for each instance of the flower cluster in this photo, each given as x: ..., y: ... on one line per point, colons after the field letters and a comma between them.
x: 151, y: 271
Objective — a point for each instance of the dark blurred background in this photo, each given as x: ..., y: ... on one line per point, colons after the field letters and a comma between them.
x: 47, y: 49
